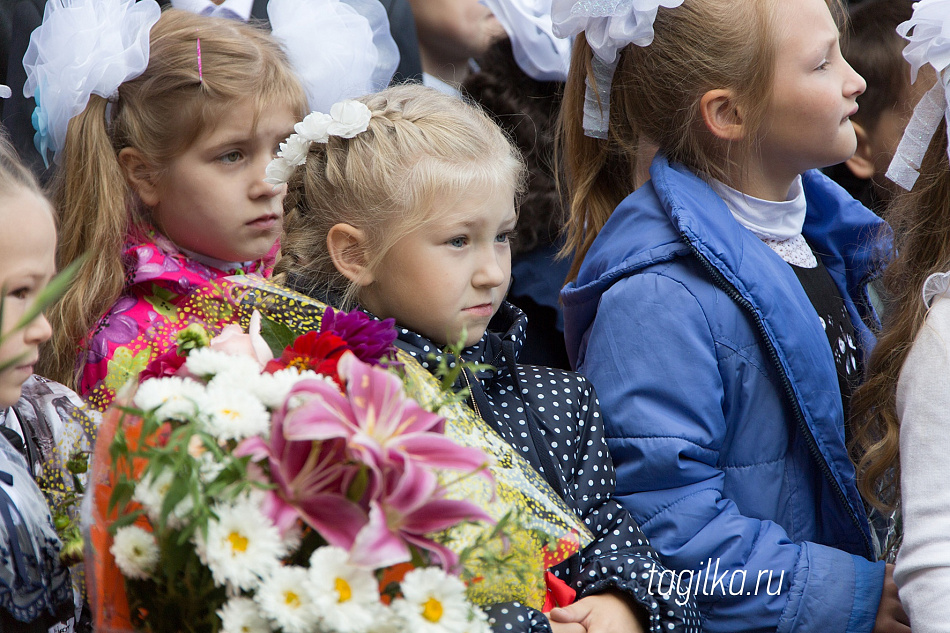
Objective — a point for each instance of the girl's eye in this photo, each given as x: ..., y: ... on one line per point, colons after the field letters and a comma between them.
x: 231, y: 157
x: 824, y: 65
x: 504, y: 238
x: 20, y: 293
x: 458, y: 242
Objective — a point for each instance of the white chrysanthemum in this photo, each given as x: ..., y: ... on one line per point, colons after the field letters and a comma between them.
x: 242, y: 615
x: 135, y: 551
x: 243, y: 545
x: 272, y: 389
x: 282, y: 599
x: 151, y: 491
x: 346, y: 597
x: 234, y: 414
x: 478, y: 622
x: 387, y: 621
x: 173, y: 398
x: 206, y: 362
x: 434, y: 602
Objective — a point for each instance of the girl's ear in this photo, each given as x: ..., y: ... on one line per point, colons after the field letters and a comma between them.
x: 140, y: 174
x: 862, y: 163
x: 722, y: 115
x: 346, y: 245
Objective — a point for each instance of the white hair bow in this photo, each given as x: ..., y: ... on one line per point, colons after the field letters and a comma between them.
x: 539, y: 53
x: 928, y: 44
x: 608, y: 25
x: 340, y: 49
x: 83, y: 47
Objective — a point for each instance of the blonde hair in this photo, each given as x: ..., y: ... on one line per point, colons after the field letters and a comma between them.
x: 160, y: 113
x: 13, y: 174
x: 656, y: 91
x: 420, y: 147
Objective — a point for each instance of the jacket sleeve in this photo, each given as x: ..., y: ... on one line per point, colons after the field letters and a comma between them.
x: 620, y: 557
x: 514, y: 617
x: 923, y: 564
x: 651, y: 354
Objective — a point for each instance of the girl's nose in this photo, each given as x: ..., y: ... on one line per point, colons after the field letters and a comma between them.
x: 491, y: 271
x: 38, y: 330
x: 855, y: 85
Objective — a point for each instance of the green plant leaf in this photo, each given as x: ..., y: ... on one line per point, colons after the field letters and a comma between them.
x: 276, y: 335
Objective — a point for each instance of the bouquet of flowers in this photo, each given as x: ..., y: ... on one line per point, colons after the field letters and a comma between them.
x: 304, y: 491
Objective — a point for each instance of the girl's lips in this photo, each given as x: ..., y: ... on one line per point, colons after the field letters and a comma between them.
x: 264, y: 222
x: 483, y: 310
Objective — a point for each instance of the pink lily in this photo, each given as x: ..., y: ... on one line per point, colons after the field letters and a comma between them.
x: 411, y: 510
x: 312, y: 479
x: 378, y: 421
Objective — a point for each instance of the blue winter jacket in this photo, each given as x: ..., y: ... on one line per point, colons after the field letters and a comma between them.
x: 721, y: 401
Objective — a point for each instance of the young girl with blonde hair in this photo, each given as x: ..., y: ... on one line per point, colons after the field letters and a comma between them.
x: 901, y: 411
x: 720, y: 308
x: 160, y: 182
x: 407, y: 210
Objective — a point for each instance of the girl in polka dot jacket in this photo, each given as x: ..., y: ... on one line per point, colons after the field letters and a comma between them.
x: 411, y: 216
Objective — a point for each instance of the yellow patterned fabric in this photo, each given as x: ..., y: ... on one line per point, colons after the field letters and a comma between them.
x: 541, y: 516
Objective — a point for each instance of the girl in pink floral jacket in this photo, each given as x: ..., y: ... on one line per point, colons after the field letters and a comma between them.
x: 161, y: 189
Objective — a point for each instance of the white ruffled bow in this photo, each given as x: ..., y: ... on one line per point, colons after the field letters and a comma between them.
x: 928, y: 35
x: 83, y: 47
x: 609, y: 25
x: 539, y: 53
x: 340, y: 49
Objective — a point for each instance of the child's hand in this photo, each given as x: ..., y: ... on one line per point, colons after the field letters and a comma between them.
x: 603, y: 613
x: 891, y: 617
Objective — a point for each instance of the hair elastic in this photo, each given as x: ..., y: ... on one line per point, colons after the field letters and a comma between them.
x: 200, y: 74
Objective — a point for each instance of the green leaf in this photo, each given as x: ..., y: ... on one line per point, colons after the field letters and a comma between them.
x: 276, y: 335
x: 124, y: 520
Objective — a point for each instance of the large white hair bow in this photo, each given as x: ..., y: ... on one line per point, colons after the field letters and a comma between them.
x: 608, y: 25
x: 83, y: 47
x: 539, y: 53
x: 339, y: 48
x: 928, y: 32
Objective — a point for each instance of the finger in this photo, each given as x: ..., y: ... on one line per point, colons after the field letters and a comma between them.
x: 576, y: 612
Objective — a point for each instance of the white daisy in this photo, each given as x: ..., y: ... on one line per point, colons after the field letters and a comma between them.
x: 241, y: 615
x: 206, y: 362
x: 151, y: 491
x: 173, y: 398
x: 272, y: 389
x: 136, y: 552
x: 282, y: 598
x: 346, y: 597
x: 242, y: 546
x: 434, y: 602
x: 234, y: 414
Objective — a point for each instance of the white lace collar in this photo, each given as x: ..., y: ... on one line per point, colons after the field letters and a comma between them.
x: 768, y: 220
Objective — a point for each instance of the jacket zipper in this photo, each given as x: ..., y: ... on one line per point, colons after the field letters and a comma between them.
x: 734, y: 294
x: 471, y: 394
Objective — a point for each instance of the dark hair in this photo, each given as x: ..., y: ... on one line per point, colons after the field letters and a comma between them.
x: 873, y: 48
x: 527, y: 110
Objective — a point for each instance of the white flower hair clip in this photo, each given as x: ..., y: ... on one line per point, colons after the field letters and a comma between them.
x: 5, y: 92
x: 608, y: 25
x: 928, y: 44
x: 346, y: 120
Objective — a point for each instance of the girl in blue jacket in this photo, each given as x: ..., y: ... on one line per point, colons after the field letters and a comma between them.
x: 408, y: 210
x: 720, y: 309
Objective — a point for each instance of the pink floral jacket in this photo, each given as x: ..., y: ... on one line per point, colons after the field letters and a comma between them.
x: 165, y: 291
